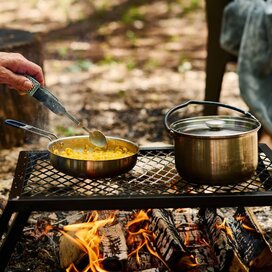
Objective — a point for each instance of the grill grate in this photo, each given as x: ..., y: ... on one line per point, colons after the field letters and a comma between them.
x: 154, y: 178
x: 153, y: 183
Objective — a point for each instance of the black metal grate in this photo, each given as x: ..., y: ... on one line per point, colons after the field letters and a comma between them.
x: 154, y: 178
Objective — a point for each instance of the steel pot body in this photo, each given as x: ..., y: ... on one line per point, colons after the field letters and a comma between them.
x: 215, y: 150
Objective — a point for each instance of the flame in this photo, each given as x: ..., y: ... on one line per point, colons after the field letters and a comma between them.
x: 187, y: 238
x: 189, y: 261
x: 245, y: 226
x: 224, y: 227
x: 140, y: 236
x: 248, y: 227
x: 240, y: 218
x: 87, y: 238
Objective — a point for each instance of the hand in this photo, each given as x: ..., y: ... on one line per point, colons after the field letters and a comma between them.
x: 12, y: 68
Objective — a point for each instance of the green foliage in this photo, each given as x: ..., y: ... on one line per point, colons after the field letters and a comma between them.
x: 151, y: 64
x: 65, y: 132
x: 131, y: 15
x: 132, y: 37
x: 108, y: 59
x: 131, y: 64
x: 184, y: 65
x: 189, y: 5
x: 80, y: 66
x: 63, y: 51
x: 121, y: 93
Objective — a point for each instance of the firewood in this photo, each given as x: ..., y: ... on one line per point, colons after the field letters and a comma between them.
x: 226, y: 256
x: 195, y: 239
x: 168, y: 241
x: 249, y: 239
x: 69, y: 252
x: 113, y: 247
x: 143, y: 260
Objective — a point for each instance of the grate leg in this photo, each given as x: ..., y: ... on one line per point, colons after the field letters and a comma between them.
x: 4, y: 219
x: 12, y: 237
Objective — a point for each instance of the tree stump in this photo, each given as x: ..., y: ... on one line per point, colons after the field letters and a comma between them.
x: 12, y: 105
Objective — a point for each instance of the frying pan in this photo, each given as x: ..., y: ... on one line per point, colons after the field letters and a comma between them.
x: 79, y: 167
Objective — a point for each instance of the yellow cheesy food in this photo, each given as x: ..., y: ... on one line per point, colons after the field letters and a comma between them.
x: 95, y: 154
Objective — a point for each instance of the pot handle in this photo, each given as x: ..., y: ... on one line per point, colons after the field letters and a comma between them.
x: 197, y: 102
x: 49, y: 135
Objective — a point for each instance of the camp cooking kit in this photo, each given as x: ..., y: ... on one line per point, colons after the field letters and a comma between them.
x: 214, y: 150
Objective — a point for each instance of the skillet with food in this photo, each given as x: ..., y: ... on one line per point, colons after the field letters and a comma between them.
x: 78, y: 157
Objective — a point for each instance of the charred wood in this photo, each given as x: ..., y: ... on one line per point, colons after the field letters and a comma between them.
x: 248, y: 239
x: 138, y: 236
x: 227, y: 258
x: 114, y: 248
x: 195, y: 239
x: 168, y: 241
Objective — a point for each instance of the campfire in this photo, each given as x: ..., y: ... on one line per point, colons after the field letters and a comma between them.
x: 195, y: 240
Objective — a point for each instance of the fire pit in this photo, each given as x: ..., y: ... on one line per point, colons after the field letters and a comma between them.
x: 153, y: 183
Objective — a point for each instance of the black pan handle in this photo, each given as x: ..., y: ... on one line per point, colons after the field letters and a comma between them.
x: 197, y: 102
x: 14, y: 123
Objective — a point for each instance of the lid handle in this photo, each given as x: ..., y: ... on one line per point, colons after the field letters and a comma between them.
x: 215, y: 124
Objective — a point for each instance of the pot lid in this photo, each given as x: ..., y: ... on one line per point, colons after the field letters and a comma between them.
x: 209, y: 126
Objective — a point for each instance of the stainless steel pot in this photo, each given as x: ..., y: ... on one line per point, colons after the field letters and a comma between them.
x: 214, y: 150
x: 83, y: 168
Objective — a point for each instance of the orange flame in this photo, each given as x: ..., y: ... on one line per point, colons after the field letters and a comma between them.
x: 245, y: 226
x: 248, y: 227
x: 189, y: 261
x: 187, y: 238
x: 140, y: 236
x: 224, y: 227
x: 87, y: 238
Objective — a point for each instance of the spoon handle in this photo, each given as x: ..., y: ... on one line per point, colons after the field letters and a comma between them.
x: 44, y: 96
x: 76, y: 121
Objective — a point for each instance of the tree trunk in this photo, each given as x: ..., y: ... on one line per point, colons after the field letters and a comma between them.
x: 12, y: 105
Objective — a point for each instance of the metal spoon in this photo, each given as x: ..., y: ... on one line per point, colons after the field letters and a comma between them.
x: 96, y: 137
x: 43, y: 95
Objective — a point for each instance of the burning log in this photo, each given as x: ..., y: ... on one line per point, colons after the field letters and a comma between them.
x: 248, y: 239
x: 142, y: 256
x: 169, y: 242
x: 195, y: 239
x: 87, y: 238
x: 240, y: 236
x: 113, y: 248
x: 69, y: 252
x: 217, y: 233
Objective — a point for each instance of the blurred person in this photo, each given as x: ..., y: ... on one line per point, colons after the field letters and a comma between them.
x: 13, y: 67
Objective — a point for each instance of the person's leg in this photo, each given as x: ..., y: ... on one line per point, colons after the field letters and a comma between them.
x: 217, y: 58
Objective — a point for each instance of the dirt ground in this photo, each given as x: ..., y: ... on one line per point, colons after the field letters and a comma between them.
x: 118, y: 67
